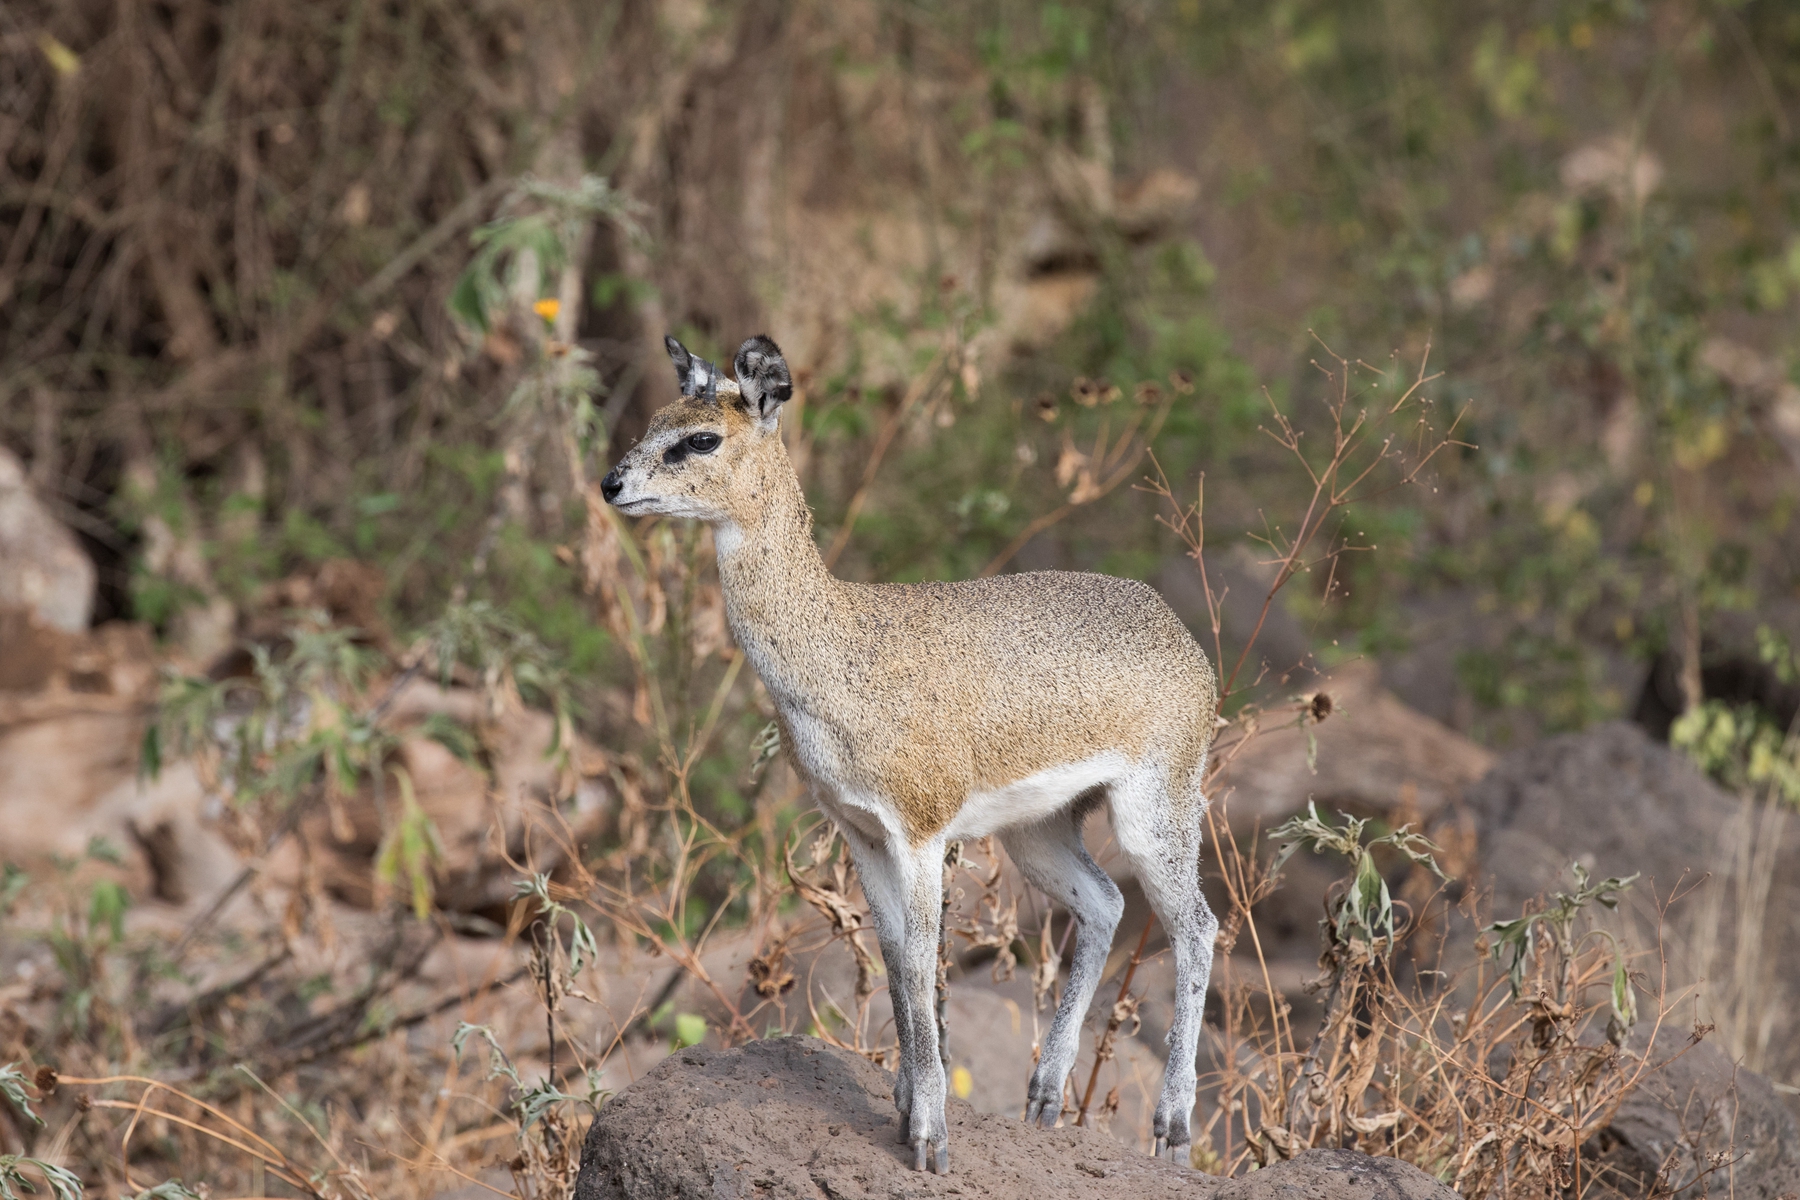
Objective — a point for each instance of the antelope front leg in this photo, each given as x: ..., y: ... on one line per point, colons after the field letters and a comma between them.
x: 882, y: 885
x: 929, y: 1132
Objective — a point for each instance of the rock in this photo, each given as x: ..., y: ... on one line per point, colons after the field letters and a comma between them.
x: 1697, y: 1106
x: 43, y: 568
x: 347, y: 591
x: 1376, y: 757
x: 45, y: 669
x: 1337, y: 1175
x: 526, y: 806
x: 793, y: 1117
x: 1622, y: 804
x: 167, y: 817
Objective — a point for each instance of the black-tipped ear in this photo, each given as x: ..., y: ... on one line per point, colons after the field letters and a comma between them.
x: 678, y: 354
x: 696, y: 376
x: 762, y: 376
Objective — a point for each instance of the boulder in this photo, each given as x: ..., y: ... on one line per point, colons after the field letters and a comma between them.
x: 1700, y: 1110
x: 513, y: 801
x: 43, y: 568
x: 1375, y: 757
x: 1336, y: 1175
x: 794, y: 1117
x: 1622, y: 804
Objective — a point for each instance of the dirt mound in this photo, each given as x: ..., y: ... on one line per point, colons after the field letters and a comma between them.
x: 793, y: 1117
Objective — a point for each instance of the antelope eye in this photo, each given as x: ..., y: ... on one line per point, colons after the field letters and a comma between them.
x: 704, y: 443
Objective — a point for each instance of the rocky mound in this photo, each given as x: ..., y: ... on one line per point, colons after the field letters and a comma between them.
x: 794, y: 1117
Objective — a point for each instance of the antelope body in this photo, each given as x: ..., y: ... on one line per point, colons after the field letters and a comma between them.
x: 924, y: 713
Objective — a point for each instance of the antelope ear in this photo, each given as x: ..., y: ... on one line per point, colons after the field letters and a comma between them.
x: 696, y: 376
x: 763, y: 378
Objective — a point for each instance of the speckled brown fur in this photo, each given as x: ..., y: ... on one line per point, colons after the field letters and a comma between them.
x: 919, y: 712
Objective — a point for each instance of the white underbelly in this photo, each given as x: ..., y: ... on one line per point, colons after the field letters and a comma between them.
x: 1035, y: 797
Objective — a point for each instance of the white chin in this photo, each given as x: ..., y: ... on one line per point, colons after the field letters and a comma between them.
x: 658, y: 506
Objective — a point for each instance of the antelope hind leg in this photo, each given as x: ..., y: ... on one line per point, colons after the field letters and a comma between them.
x: 1051, y: 856
x: 1161, y: 835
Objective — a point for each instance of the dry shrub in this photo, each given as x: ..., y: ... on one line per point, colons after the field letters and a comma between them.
x: 1495, y: 1080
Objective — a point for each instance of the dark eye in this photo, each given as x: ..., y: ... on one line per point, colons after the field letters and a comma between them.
x: 703, y: 443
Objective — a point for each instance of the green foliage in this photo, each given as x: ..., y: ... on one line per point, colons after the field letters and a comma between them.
x: 583, y: 949
x: 13, y: 882
x: 292, y: 724
x: 1517, y: 941
x: 499, y: 647
x: 1742, y: 746
x: 64, y: 1185
x: 690, y: 1030
x: 531, y: 1103
x: 12, y: 1086
x: 1366, y: 909
x: 410, y: 848
x: 174, y: 1189
x: 533, y: 235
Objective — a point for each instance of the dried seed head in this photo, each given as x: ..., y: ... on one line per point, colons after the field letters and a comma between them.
x: 1319, y: 706
x: 45, y: 1080
x: 1149, y: 393
x: 1045, y: 407
x: 1085, y: 391
x: 1181, y: 381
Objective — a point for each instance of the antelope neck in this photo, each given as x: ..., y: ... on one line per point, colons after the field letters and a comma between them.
x: 780, y: 599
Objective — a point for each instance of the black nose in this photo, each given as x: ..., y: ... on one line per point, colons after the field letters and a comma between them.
x: 612, y: 485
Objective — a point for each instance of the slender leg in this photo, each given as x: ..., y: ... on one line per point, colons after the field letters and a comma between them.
x: 1161, y: 835
x: 1051, y: 856
x: 923, y: 869
x: 882, y: 886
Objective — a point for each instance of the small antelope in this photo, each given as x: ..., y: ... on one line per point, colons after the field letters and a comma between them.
x: 923, y: 713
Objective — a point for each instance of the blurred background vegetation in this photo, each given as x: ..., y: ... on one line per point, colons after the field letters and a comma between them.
x: 243, y: 335
x: 318, y: 321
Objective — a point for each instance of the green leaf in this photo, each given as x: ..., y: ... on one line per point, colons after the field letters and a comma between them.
x: 690, y: 1029
x: 150, y: 755
x: 13, y: 882
x: 12, y: 1086
x: 174, y: 1189
x: 499, y: 1065
x: 410, y: 848
x: 106, y: 906
x: 465, y: 301
x: 535, y: 1101
x: 1368, y: 903
x: 64, y: 1184
x: 1624, y: 1004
